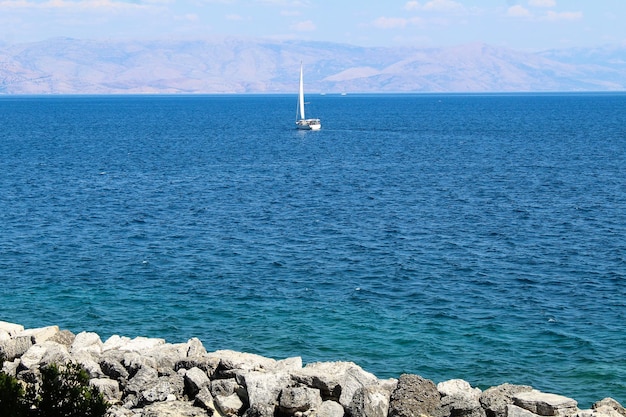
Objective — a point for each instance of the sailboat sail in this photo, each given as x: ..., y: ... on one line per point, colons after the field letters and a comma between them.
x: 301, y: 95
x: 304, y: 123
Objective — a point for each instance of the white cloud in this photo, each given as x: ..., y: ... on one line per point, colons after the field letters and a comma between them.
x: 542, y: 3
x: 395, y: 22
x: 64, y: 4
x: 563, y: 15
x: 518, y: 11
x: 412, y: 5
x: 441, y: 6
x: 305, y: 26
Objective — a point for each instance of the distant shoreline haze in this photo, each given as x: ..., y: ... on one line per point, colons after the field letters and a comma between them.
x: 242, y: 65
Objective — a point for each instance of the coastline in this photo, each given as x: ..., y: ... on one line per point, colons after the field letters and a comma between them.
x: 150, y: 377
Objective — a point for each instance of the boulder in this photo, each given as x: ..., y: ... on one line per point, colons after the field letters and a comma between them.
x: 545, y: 404
x: 263, y: 388
x: 336, y: 380
x: 140, y: 344
x: 173, y: 409
x: 204, y: 399
x: 15, y: 347
x: 87, y: 342
x: 233, y: 363
x: 143, y: 380
x: 64, y: 337
x: 515, y: 411
x: 109, y: 388
x: 606, y: 405
x: 415, y: 396
x: 230, y: 405
x: 458, y: 399
x: 195, y: 380
x: 11, y: 329
x: 495, y: 399
x: 226, y: 387
x: 165, y: 388
x: 41, y: 334
x: 298, y: 399
x: 371, y: 401
x: 328, y: 409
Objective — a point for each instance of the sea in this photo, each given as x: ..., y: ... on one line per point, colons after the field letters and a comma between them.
x: 471, y: 236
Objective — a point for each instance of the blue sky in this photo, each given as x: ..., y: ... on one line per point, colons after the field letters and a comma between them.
x: 519, y: 24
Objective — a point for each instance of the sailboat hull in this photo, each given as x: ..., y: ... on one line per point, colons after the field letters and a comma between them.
x: 309, y: 124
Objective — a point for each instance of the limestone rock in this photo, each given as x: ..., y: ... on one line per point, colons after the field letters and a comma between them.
x: 11, y: 329
x: 415, y: 396
x: 328, y: 409
x: 173, y: 409
x: 15, y: 347
x: 495, y: 399
x: 195, y: 380
x: 64, y: 337
x: 336, y: 380
x: 545, y: 404
x: 87, y: 342
x: 299, y: 399
x: 41, y: 334
x: 458, y: 398
x: 224, y: 387
x: 233, y: 363
x: 515, y: 411
x: 230, y: 405
x: 109, y: 388
x: 263, y: 388
x: 371, y: 401
x: 609, y: 404
x: 145, y: 378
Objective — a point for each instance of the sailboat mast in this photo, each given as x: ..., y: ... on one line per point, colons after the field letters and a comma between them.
x: 301, y: 94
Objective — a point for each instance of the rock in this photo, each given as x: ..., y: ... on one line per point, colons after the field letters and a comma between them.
x: 64, y: 337
x: 609, y: 403
x: 111, y: 365
x: 372, y: 401
x: 336, y: 380
x: 458, y: 398
x: 11, y: 329
x: 260, y: 410
x: 143, y: 380
x: 233, y: 363
x: 328, y: 409
x: 173, y: 409
x: 263, y: 388
x: 15, y: 347
x: 204, y: 399
x: 109, y: 388
x: 224, y: 387
x: 515, y: 411
x: 495, y: 399
x: 166, y: 388
x: 54, y: 353
x: 415, y: 396
x: 300, y: 399
x: 40, y: 334
x: 228, y: 406
x: 195, y: 380
x: 87, y: 342
x: 141, y: 344
x: 545, y: 404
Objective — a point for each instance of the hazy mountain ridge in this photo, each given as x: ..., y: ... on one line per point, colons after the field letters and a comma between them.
x: 233, y: 65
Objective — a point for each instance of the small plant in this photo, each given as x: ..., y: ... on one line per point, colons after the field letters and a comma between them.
x: 12, y: 397
x: 62, y: 393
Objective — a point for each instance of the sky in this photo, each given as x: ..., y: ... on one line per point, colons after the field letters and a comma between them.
x: 519, y: 24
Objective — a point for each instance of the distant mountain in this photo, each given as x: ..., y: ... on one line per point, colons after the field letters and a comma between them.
x: 237, y: 65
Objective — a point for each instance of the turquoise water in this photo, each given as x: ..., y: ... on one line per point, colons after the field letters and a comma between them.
x: 453, y: 236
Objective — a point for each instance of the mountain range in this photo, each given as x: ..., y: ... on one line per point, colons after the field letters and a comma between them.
x: 238, y: 65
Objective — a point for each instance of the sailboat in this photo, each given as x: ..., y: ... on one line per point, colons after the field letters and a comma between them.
x: 302, y: 122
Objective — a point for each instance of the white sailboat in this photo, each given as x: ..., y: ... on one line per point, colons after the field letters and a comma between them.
x: 301, y: 121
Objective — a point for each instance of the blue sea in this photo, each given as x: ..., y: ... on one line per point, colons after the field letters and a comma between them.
x: 480, y: 237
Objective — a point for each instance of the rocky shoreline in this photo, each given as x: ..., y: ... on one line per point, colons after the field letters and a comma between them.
x: 147, y: 377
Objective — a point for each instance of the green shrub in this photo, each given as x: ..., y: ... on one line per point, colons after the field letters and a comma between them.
x: 62, y: 393
x: 12, y: 397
